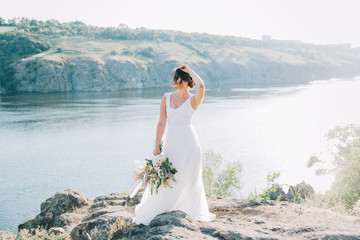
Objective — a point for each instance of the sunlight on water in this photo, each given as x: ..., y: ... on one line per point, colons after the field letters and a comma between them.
x: 89, y: 141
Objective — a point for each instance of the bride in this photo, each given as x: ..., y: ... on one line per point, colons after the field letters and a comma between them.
x: 182, y: 147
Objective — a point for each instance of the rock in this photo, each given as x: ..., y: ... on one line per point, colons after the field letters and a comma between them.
x: 57, y: 230
x: 279, y: 193
x: 114, y: 199
x: 68, y: 221
x: 136, y: 199
x: 224, y: 205
x: 102, y: 223
x: 7, y: 235
x: 228, y: 228
x: 178, y: 225
x: 168, y: 225
x: 65, y: 202
x: 299, y: 192
x: 110, y: 217
x: 62, y: 202
x: 305, y: 189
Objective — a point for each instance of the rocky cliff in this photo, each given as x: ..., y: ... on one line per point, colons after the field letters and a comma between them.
x: 105, y: 65
x: 109, y: 217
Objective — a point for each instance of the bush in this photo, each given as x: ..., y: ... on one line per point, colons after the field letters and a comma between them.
x: 147, y: 52
x: 128, y: 52
x: 224, y: 183
x: 271, y: 187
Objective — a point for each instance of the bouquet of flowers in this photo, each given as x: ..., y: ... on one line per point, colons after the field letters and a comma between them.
x: 157, y: 171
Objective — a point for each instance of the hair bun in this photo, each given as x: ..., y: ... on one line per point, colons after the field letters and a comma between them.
x: 184, y: 77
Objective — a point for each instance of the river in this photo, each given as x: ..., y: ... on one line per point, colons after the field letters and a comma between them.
x: 89, y: 141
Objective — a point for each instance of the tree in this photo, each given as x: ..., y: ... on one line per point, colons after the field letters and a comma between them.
x: 13, y: 21
x: 122, y: 25
x: 2, y: 21
x: 344, y: 163
x: 218, y: 182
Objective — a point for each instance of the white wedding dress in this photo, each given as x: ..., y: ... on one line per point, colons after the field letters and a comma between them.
x: 181, y: 146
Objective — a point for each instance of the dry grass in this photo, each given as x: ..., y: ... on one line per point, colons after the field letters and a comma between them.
x: 40, y: 233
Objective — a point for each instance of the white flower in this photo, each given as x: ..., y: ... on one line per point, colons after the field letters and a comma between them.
x: 157, y: 157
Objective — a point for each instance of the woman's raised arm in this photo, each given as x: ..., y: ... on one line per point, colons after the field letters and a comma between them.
x: 200, y: 86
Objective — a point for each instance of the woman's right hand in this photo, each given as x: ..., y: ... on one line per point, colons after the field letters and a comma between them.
x: 185, y: 68
x: 156, y: 151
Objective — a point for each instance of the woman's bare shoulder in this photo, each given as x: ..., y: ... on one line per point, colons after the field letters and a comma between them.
x: 167, y: 94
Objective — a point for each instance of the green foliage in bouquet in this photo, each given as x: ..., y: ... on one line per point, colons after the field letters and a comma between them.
x: 159, y: 173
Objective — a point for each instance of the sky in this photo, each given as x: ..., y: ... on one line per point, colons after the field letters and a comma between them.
x: 312, y: 21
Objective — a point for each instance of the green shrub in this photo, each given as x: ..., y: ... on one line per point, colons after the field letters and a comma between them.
x: 224, y: 183
x: 128, y: 52
x: 147, y: 52
x: 271, y: 187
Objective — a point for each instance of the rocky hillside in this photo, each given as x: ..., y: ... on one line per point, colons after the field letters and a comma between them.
x: 74, y: 215
x: 105, y: 65
x: 144, y: 58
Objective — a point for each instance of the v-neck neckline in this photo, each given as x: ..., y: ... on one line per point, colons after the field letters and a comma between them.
x: 180, y: 105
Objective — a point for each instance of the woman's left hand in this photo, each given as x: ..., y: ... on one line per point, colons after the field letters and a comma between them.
x: 156, y: 151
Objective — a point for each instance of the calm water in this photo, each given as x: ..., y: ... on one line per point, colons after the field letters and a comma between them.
x: 89, y: 141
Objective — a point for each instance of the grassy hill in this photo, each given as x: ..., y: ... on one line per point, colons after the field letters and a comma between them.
x: 88, y: 58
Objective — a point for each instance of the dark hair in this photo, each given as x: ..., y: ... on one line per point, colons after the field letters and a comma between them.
x: 184, y: 77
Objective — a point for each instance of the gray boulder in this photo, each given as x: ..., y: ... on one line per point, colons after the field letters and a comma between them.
x: 279, y: 193
x: 67, y: 201
x: 168, y: 225
x: 299, y: 192
x: 68, y: 221
x: 102, y: 224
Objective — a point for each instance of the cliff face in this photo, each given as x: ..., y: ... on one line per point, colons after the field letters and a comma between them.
x: 56, y: 74
x: 92, y: 69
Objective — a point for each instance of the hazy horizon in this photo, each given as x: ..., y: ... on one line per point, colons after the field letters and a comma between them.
x: 320, y: 22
